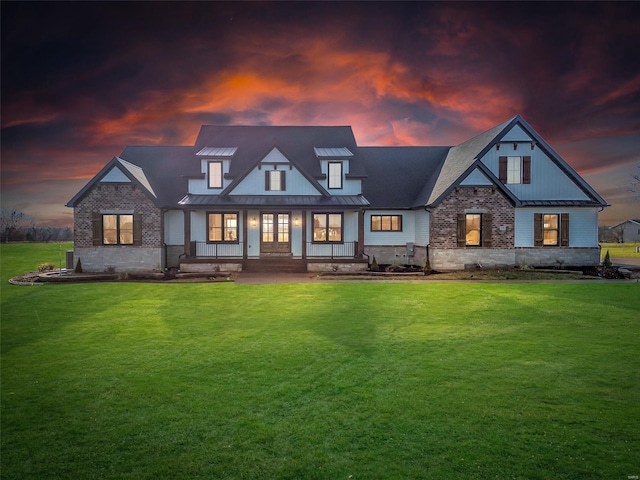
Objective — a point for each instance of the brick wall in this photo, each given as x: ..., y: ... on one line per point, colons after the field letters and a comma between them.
x: 114, y: 198
x: 472, y: 200
x: 117, y: 198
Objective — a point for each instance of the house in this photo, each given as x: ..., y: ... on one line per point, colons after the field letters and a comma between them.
x: 627, y: 231
x: 259, y: 197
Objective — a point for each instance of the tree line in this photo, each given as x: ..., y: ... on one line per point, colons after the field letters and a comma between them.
x: 17, y: 226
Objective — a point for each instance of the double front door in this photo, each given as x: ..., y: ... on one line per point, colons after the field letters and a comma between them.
x: 275, y: 232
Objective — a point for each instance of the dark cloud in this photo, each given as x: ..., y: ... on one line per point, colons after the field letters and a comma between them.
x: 81, y: 80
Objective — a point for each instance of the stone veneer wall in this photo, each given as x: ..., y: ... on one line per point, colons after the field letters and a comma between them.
x: 444, y: 252
x: 117, y: 198
x: 397, y: 254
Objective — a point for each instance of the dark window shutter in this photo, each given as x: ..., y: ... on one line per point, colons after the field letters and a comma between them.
x: 538, y: 235
x: 526, y: 169
x: 462, y: 230
x: 137, y: 230
x: 283, y: 182
x: 502, y: 171
x: 487, y: 227
x: 97, y: 229
x: 564, y: 229
x: 267, y: 183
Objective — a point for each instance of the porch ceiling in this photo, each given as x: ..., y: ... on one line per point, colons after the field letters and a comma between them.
x: 275, y: 200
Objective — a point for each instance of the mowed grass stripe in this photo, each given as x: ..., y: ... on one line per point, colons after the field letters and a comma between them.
x: 436, y: 380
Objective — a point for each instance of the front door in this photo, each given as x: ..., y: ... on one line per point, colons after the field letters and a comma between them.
x: 275, y: 233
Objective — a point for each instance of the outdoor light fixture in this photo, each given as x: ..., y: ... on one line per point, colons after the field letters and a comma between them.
x: 254, y: 222
x: 296, y: 222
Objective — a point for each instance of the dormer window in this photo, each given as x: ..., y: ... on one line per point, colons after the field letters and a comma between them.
x: 274, y: 180
x: 335, y: 175
x: 215, y: 174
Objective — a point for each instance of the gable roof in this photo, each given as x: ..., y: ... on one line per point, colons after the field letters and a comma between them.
x: 458, y: 161
x: 630, y: 220
x: 134, y: 173
x: 394, y: 177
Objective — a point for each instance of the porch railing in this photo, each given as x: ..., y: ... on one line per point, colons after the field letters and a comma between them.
x: 216, y: 250
x: 331, y: 250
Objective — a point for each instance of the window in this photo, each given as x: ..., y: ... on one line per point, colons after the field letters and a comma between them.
x: 551, y: 229
x: 215, y: 174
x: 514, y: 174
x: 222, y: 227
x: 335, y: 174
x: 386, y: 223
x: 473, y: 236
x: 475, y: 230
x: 327, y: 227
x: 515, y: 170
x: 117, y: 229
x: 274, y: 180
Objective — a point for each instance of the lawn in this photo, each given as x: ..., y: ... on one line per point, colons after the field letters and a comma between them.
x: 317, y: 381
x: 620, y: 250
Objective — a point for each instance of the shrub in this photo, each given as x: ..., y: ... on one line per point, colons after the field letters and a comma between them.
x: 374, y: 265
x: 78, y: 268
x: 46, y: 267
x: 607, y: 260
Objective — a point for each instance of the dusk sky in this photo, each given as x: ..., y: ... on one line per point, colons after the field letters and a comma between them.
x: 82, y: 80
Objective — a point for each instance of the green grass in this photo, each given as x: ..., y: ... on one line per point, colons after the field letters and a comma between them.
x: 620, y: 250
x: 318, y: 381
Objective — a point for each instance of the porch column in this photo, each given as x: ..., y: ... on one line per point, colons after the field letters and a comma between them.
x: 360, y: 246
x: 304, y: 234
x: 245, y: 233
x: 187, y: 232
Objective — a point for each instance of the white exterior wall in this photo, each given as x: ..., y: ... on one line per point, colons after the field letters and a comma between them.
x: 296, y: 183
x: 422, y: 227
x: 199, y: 226
x: 349, y: 187
x: 583, y: 225
x: 476, y: 178
x: 174, y: 227
x: 408, y: 233
x: 201, y: 186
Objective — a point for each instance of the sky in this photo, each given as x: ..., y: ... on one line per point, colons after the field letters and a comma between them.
x: 81, y: 80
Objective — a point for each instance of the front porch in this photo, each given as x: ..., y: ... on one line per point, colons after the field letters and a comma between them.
x: 214, y: 257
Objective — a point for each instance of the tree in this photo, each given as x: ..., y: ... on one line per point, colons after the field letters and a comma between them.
x: 634, y: 184
x: 12, y: 223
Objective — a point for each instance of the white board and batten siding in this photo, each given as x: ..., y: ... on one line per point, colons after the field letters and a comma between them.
x: 548, y: 181
x: 583, y: 225
x: 254, y: 182
x: 115, y: 175
x: 476, y: 179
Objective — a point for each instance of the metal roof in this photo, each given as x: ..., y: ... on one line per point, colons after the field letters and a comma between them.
x: 340, y: 152
x: 275, y: 201
x: 226, y: 152
x: 559, y: 203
